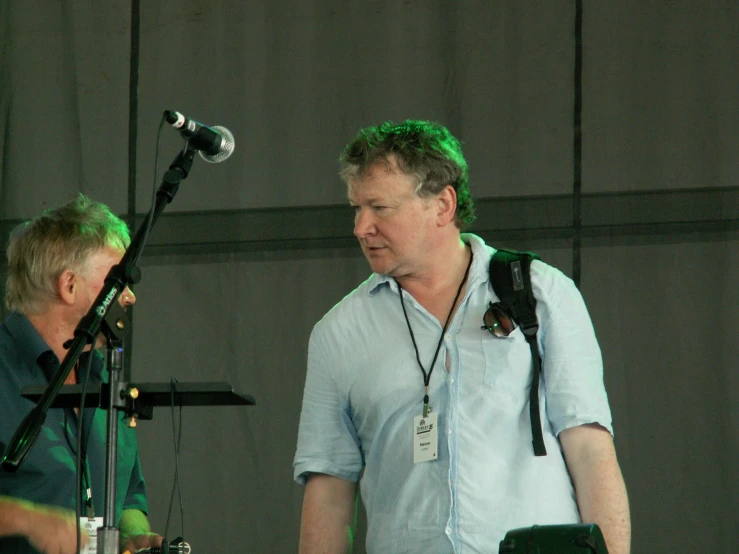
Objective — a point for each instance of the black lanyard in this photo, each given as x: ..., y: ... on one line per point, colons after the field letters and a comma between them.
x: 89, y: 505
x: 86, y: 480
x: 427, y: 376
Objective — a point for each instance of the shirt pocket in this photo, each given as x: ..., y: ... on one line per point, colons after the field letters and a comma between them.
x: 508, y: 363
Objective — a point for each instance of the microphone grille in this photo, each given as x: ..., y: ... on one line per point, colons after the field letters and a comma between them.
x: 227, y: 147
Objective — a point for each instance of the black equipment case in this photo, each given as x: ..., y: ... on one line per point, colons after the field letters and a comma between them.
x: 554, y: 539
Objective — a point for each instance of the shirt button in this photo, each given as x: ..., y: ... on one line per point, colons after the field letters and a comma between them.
x: 448, y: 530
x: 448, y: 337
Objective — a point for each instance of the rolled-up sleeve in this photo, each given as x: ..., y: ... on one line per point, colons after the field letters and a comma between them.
x: 572, y: 363
x: 327, y: 439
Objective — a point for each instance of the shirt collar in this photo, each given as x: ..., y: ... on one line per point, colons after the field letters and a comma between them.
x: 34, y: 350
x: 31, y: 346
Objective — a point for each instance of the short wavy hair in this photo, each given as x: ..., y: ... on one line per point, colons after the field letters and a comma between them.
x: 423, y: 149
x: 41, y: 249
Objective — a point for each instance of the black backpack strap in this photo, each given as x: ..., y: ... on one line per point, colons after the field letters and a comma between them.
x: 511, y: 280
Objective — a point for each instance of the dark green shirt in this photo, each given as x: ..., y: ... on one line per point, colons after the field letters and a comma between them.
x: 48, y: 474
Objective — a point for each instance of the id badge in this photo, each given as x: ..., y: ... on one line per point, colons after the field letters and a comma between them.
x: 425, y: 438
x: 90, y: 526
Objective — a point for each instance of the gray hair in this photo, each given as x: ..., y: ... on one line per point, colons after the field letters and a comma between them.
x: 41, y: 249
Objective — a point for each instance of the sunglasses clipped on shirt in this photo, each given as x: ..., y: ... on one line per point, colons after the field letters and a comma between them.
x: 497, y: 321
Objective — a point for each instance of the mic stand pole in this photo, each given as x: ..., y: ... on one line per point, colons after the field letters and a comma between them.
x: 109, y: 534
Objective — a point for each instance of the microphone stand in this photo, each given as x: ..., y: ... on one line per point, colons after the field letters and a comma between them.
x: 119, y: 277
x: 109, y: 534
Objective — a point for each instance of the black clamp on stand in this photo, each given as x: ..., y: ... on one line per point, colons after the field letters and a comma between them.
x: 105, y: 314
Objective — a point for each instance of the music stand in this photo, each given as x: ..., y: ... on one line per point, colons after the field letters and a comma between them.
x: 137, y: 401
x: 150, y: 395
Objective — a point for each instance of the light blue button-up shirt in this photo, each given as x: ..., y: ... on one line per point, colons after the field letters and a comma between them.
x: 364, y: 388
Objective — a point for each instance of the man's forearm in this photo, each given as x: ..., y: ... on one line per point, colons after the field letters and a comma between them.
x: 599, y: 485
x: 47, y: 528
x: 13, y: 515
x: 327, y: 523
x: 602, y: 499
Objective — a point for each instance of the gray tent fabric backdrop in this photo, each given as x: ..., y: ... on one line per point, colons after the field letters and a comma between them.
x: 253, y: 251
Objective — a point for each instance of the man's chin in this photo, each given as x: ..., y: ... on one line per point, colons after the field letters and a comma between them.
x: 379, y: 262
x: 382, y: 268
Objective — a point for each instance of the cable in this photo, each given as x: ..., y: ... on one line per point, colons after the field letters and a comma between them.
x: 177, y: 438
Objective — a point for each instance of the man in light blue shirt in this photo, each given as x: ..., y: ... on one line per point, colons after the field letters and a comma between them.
x: 407, y: 395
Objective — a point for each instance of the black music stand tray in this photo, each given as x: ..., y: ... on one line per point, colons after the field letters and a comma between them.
x: 148, y: 396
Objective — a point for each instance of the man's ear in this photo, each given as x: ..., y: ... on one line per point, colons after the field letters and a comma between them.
x: 446, y: 206
x: 67, y: 286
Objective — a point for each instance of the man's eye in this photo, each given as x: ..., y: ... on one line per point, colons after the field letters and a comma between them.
x: 379, y: 208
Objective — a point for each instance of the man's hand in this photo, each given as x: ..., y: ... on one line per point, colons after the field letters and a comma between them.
x: 131, y: 543
x: 49, y: 529
x: 136, y: 533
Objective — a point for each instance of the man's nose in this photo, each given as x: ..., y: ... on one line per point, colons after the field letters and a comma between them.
x: 127, y: 298
x: 363, y: 223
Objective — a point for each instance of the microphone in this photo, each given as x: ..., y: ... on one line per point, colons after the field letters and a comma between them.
x: 214, y: 144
